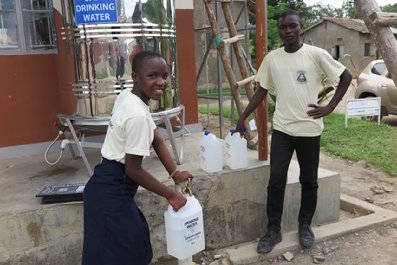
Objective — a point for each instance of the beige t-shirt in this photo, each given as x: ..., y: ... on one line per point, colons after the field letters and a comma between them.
x: 130, y: 130
x: 295, y: 78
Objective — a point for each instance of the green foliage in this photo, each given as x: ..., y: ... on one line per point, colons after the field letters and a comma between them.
x: 389, y: 8
x: 361, y: 141
x: 155, y: 12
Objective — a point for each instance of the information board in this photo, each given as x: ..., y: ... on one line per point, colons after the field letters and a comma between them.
x: 363, y: 107
x: 95, y: 11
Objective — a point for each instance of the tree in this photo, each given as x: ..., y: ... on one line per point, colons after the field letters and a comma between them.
x: 349, y: 10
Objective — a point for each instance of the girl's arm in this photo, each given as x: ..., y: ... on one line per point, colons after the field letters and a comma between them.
x: 166, y: 159
x: 134, y: 170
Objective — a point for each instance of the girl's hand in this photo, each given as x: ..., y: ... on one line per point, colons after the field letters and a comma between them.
x: 181, y: 176
x: 176, y: 200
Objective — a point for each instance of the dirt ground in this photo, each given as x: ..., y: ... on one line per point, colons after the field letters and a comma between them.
x: 373, y: 246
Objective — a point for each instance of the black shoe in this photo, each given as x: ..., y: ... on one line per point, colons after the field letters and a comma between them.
x: 306, y: 235
x: 268, y: 241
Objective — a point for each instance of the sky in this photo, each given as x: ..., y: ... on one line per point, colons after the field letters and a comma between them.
x: 338, y: 3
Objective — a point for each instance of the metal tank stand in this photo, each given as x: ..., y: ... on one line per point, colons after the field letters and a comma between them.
x: 76, y: 127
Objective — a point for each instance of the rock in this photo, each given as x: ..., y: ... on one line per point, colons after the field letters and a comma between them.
x: 326, y: 251
x: 377, y: 190
x: 388, y: 189
x: 318, y: 258
x: 288, y: 256
x: 224, y: 261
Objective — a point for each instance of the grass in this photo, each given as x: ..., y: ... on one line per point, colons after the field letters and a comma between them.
x: 360, y: 141
x: 214, y: 91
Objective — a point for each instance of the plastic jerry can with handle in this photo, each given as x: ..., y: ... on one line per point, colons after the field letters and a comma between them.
x: 211, y: 154
x: 184, y: 229
x: 235, y: 150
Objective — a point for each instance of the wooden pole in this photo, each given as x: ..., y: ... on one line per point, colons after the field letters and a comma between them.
x: 384, y: 38
x: 261, y: 43
x: 225, y: 61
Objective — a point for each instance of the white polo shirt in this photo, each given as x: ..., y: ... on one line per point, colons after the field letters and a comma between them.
x: 295, y: 78
x: 130, y: 130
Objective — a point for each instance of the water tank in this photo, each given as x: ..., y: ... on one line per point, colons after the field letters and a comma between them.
x: 104, y: 51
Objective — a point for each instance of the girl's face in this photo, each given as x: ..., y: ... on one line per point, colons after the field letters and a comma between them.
x: 151, y: 79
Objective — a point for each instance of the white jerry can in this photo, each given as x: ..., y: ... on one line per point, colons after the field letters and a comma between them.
x: 211, y: 155
x: 184, y: 229
x: 235, y: 150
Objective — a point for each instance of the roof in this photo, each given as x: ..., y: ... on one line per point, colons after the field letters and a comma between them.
x: 350, y: 23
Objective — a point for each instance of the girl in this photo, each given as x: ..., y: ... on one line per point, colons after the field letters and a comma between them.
x: 115, y: 230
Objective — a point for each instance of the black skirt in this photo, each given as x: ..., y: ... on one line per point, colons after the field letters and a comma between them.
x: 115, y: 230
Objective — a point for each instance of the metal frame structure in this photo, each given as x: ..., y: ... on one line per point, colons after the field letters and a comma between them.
x: 77, y: 127
x: 221, y: 98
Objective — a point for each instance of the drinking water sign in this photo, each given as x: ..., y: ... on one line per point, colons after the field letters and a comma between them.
x: 95, y: 11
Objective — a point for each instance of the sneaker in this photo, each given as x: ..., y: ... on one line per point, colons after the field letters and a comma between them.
x: 268, y: 241
x: 306, y: 235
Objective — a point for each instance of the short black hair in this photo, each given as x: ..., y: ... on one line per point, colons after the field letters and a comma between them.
x: 289, y: 13
x: 142, y: 56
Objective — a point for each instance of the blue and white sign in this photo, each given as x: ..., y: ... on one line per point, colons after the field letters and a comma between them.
x: 95, y: 11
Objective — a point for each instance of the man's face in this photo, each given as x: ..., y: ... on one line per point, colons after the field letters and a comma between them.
x: 289, y: 29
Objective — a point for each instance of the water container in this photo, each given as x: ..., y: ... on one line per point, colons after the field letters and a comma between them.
x: 235, y: 150
x: 211, y: 157
x: 184, y: 229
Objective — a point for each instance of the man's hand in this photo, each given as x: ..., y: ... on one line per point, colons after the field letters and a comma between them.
x: 319, y: 111
x: 240, y: 127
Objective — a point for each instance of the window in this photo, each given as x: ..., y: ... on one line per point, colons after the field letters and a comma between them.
x: 378, y: 68
x: 26, y: 26
x: 367, y: 48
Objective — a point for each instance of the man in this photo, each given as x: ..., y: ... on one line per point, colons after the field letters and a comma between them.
x: 295, y: 72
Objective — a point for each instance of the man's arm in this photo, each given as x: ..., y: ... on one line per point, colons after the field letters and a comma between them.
x: 258, y: 97
x: 321, y: 111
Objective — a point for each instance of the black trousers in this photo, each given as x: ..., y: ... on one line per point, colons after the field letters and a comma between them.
x: 281, y: 151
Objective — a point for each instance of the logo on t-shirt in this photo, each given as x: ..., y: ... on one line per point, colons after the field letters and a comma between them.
x: 301, y: 77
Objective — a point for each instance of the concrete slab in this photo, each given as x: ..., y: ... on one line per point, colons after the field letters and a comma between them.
x: 372, y: 216
x: 233, y: 203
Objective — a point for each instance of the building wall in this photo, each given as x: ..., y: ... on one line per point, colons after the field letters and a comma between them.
x: 34, y: 88
x: 28, y: 98
x: 328, y: 35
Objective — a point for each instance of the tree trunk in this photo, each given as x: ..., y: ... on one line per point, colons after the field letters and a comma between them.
x: 384, y: 38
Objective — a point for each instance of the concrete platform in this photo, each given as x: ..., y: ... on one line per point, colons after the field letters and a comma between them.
x: 371, y: 215
x: 233, y: 204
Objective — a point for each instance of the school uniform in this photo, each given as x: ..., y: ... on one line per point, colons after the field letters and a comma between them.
x: 115, y: 230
